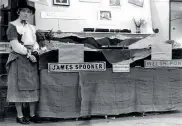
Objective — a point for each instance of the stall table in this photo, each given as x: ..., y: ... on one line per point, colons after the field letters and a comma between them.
x: 72, y: 95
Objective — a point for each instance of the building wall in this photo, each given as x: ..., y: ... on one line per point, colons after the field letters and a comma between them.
x: 160, y: 17
x: 160, y: 20
x: 84, y: 14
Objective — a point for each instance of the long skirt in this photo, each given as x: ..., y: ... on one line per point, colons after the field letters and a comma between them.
x: 23, y: 81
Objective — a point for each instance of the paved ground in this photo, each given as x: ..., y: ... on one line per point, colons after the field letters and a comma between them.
x: 152, y: 119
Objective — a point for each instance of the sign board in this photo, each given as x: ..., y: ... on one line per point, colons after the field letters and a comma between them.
x: 76, y: 67
x: 51, y: 15
x: 58, y: 15
x: 4, y: 47
x: 43, y: 2
x: 119, y: 67
x: 162, y: 63
x: 90, y: 1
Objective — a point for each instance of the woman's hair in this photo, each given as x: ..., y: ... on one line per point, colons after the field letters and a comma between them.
x: 19, y: 9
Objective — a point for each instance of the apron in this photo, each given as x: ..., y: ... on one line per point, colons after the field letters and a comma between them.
x: 27, y: 72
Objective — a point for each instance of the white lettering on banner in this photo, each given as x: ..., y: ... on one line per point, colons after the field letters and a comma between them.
x: 76, y: 67
x: 120, y: 67
x: 162, y: 63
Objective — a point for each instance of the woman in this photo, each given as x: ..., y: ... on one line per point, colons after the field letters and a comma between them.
x: 23, y: 86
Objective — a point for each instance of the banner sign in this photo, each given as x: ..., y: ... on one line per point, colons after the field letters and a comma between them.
x: 4, y: 47
x: 76, y: 67
x: 162, y: 63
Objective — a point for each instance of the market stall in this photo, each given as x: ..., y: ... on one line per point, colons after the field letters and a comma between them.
x: 77, y: 94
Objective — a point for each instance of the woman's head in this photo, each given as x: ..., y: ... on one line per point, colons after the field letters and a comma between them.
x: 24, y: 13
x: 24, y: 10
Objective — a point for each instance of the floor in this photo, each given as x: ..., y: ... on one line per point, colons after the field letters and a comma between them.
x: 150, y: 119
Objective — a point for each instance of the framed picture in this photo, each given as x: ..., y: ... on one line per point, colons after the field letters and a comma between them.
x: 114, y: 3
x: 61, y: 2
x: 137, y: 2
x: 105, y: 15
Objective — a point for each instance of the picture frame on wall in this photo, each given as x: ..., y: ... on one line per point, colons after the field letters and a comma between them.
x: 137, y: 2
x: 61, y: 2
x: 114, y: 3
x: 104, y: 15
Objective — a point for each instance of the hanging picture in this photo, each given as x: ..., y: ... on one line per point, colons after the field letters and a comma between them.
x: 105, y: 15
x: 114, y: 2
x: 137, y: 2
x: 61, y: 2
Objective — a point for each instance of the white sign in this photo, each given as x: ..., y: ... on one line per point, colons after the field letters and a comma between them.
x: 162, y: 63
x: 43, y: 2
x: 76, y: 67
x: 119, y: 67
x: 4, y: 47
x: 51, y: 15
x: 58, y: 15
x: 91, y: 1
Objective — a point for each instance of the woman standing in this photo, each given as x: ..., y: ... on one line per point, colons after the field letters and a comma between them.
x: 23, y: 83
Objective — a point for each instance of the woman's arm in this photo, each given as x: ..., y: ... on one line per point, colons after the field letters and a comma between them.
x: 36, y: 47
x: 12, y: 35
x: 17, y: 47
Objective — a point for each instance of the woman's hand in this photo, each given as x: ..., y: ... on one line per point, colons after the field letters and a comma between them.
x: 33, y: 58
x: 43, y: 50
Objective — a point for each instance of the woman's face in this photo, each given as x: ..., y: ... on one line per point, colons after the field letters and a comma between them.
x: 25, y: 13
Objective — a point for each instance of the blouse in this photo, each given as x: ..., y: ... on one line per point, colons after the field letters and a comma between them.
x: 19, y: 40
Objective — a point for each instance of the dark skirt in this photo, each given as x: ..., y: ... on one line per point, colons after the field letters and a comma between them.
x: 23, y: 80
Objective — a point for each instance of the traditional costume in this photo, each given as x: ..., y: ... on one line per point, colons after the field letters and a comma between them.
x: 23, y: 81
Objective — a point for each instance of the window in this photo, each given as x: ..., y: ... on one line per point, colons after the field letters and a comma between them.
x: 175, y: 22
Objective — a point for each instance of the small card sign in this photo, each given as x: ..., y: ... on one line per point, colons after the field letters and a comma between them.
x: 119, y: 67
x: 76, y: 67
x: 162, y: 63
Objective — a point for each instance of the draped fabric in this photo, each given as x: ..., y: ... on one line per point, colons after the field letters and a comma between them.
x: 68, y: 95
x: 97, y: 43
x: 108, y: 93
